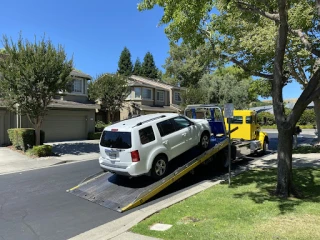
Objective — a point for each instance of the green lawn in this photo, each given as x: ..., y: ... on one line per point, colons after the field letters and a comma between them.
x: 307, y: 149
x: 247, y: 210
x: 275, y: 126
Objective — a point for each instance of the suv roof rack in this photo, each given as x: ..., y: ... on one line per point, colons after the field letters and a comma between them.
x: 149, y: 120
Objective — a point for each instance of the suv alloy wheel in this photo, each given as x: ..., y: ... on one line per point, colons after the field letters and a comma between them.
x: 205, y: 141
x: 159, y: 167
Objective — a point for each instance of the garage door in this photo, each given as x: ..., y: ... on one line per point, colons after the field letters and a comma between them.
x: 64, y: 128
x: 1, y: 129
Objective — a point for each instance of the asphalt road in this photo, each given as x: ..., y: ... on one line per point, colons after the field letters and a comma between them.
x: 35, y: 204
x: 273, y: 139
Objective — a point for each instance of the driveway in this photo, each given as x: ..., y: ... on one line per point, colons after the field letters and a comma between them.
x: 73, y: 151
x: 76, y: 150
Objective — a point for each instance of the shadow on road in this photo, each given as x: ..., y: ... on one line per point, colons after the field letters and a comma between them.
x: 75, y: 148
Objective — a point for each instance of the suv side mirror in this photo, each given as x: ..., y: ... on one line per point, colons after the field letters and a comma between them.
x: 191, y: 123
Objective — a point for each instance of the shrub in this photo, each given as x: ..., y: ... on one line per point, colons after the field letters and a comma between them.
x: 307, y: 117
x: 41, y: 151
x: 101, y: 125
x: 94, y: 135
x: 24, y: 138
x: 21, y: 138
x: 266, y: 117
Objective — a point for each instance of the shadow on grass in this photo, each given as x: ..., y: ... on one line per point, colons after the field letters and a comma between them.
x: 307, y: 181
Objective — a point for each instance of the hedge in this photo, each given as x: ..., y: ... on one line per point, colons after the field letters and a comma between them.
x: 266, y: 118
x: 99, y: 126
x: 24, y: 138
x: 41, y: 151
x: 308, y: 117
x: 94, y: 135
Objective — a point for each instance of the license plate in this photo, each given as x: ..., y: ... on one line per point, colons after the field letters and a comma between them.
x: 112, y: 155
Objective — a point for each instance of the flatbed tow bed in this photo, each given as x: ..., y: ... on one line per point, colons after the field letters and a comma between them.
x: 121, y: 194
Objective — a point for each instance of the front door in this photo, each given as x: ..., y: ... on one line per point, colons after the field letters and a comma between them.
x: 172, y: 140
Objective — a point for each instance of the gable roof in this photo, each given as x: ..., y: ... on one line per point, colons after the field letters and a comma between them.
x: 156, y: 83
x: 133, y: 83
x: 77, y: 73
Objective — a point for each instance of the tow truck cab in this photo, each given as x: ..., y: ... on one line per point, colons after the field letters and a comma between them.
x: 248, y: 127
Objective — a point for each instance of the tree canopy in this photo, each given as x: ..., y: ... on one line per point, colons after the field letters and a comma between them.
x: 111, y: 90
x: 137, y: 68
x: 125, y: 65
x: 32, y: 74
x: 186, y: 65
x: 149, y: 68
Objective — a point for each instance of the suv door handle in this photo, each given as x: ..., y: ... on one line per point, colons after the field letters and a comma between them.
x: 165, y: 142
x: 184, y: 134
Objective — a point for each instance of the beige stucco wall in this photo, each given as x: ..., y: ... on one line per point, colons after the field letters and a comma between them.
x: 127, y: 110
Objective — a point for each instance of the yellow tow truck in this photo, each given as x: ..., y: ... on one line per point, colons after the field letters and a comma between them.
x: 247, y: 139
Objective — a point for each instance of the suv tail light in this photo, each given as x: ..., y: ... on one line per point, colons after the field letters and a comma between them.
x: 135, y: 156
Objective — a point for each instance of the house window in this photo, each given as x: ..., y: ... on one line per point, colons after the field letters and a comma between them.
x: 77, y: 86
x: 160, y: 96
x: 137, y: 92
x: 146, y: 93
x: 177, y: 97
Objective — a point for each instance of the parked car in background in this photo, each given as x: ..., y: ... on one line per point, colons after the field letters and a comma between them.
x: 144, y: 145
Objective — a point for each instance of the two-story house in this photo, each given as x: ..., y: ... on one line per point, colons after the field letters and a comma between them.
x: 150, y: 96
x: 71, y: 116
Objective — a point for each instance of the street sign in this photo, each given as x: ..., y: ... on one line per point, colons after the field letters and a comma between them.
x: 228, y: 110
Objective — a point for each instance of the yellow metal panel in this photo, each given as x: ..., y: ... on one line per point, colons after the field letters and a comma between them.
x: 245, y: 130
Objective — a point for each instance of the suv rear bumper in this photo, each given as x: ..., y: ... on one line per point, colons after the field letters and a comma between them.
x: 133, y: 169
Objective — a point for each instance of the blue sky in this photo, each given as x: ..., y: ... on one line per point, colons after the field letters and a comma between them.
x: 94, y: 32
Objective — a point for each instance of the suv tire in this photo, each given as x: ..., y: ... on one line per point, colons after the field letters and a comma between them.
x: 204, y: 141
x: 159, y: 167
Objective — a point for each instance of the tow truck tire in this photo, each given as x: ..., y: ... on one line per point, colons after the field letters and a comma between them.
x: 159, y: 167
x: 221, y: 159
x: 204, y: 141
x: 264, y: 147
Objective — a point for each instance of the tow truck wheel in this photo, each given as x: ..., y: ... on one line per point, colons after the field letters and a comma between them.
x: 264, y: 147
x: 222, y: 159
x: 159, y: 167
x: 205, y: 141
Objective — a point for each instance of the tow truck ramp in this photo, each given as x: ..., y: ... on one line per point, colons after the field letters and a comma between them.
x: 121, y: 194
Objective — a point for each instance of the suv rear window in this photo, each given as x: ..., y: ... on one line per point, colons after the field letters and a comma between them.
x: 120, y: 140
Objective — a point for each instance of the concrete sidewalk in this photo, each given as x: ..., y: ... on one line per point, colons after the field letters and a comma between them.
x: 67, y: 152
x: 119, y: 228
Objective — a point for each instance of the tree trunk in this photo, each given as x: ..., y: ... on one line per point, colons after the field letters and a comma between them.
x: 317, y: 113
x: 284, y: 183
x: 37, y: 129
